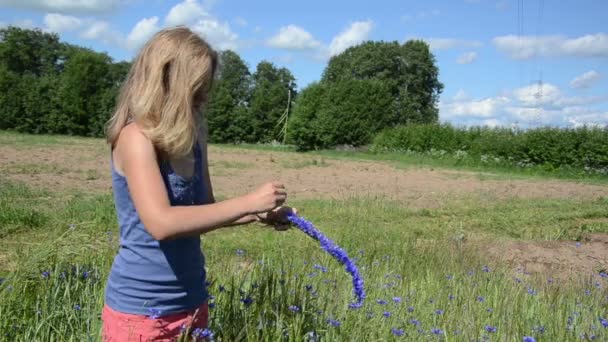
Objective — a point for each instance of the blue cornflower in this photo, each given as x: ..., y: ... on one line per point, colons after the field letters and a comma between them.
x: 587, y: 292
x: 222, y: 288
x: 397, y: 332
x: 449, y: 277
x: 46, y: 274
x: 578, y: 244
x: 439, y: 312
x: 480, y: 299
x: 211, y: 305
x: 386, y: 314
x: 86, y: 274
x: 154, y: 313
x: 308, y: 288
x: 485, y: 269
x: 77, y: 307
x: 335, y: 251
x: 334, y: 323
x: 202, y: 333
x: 410, y: 309
x: 294, y: 308
x: 531, y: 291
x: 490, y: 329
x: 437, y: 331
x: 247, y: 301
x: 529, y: 339
x: 321, y: 268
x: 414, y: 321
x: 397, y: 299
x: 240, y: 252
x: 540, y: 329
x: 490, y: 310
x: 550, y: 281
x: 450, y: 296
x: 604, y: 322
x: 381, y: 301
x: 603, y: 274
x: 517, y: 280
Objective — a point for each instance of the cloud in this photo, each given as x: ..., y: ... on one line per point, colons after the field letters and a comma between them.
x: 585, y: 80
x: 467, y: 57
x: 525, y: 107
x: 526, y: 47
x: 185, y: 13
x: 451, y: 43
x: 219, y: 34
x: 356, y: 33
x: 64, y: 6
x: 293, y: 37
x: 141, y: 32
x: 61, y: 23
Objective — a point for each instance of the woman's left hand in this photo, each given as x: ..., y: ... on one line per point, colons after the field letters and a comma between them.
x: 278, y: 217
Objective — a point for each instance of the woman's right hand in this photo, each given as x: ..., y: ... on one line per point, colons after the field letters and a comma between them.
x: 266, y: 198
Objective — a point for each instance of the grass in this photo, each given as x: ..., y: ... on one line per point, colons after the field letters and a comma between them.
x: 56, y: 250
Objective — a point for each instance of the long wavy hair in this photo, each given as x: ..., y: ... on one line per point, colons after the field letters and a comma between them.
x: 166, y: 85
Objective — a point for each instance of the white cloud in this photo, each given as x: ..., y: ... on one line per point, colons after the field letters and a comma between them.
x: 293, y: 37
x: 185, y: 13
x: 219, y: 35
x: 356, y: 33
x: 467, y: 57
x: 240, y: 21
x: 525, y: 107
x: 585, y: 80
x: 526, y: 47
x: 64, y: 6
x: 451, y: 43
x: 141, y: 32
x: 61, y: 23
x: 460, y: 95
x: 24, y: 23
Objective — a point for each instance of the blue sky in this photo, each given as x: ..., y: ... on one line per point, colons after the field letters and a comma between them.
x: 491, y: 53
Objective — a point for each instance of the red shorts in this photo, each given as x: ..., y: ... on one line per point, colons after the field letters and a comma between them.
x: 122, y: 327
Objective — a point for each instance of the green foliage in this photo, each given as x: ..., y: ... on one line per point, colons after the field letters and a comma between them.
x: 367, y: 88
x: 51, y: 87
x: 583, y: 147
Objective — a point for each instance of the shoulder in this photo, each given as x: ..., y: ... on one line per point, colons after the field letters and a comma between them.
x: 132, y: 145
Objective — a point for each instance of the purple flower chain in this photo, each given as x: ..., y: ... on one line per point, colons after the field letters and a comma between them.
x: 336, y: 252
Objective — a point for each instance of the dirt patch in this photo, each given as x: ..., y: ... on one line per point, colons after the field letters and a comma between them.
x: 558, y: 259
x: 237, y: 171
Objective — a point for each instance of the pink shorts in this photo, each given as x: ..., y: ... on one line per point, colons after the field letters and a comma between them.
x: 122, y: 327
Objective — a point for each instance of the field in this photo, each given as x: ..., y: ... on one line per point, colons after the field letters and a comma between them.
x: 450, y: 254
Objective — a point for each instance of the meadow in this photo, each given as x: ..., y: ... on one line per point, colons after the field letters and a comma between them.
x: 448, y: 252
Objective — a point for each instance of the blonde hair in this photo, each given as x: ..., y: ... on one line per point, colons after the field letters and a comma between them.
x: 168, y: 81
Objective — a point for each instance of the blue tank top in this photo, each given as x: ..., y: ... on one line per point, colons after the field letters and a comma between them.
x: 150, y: 277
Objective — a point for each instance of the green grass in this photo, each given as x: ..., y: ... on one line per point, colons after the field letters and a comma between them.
x: 402, y: 253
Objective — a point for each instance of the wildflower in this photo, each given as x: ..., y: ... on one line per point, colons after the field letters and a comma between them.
x: 439, y: 312
x: 450, y: 296
x: 222, y: 288
x: 550, y: 281
x: 335, y: 251
x: 46, y: 274
x: 397, y: 299
x: 437, y: 331
x: 410, y: 309
x: 397, y: 332
x: 486, y: 269
x: 321, y: 268
x: 578, y: 245
x: 517, y: 280
x: 414, y: 321
x: 85, y: 274
x: 247, y: 301
x: 381, y: 301
x: 154, y: 313
x: 480, y: 299
x: 529, y: 339
x: 294, y: 308
x: 540, y: 329
x: 490, y: 329
x: 587, y: 292
x: 449, y: 277
x: 603, y: 274
x: 211, y: 305
x: 386, y: 314
x: 334, y: 323
x: 202, y: 333
x: 490, y: 310
x: 531, y: 291
x: 77, y: 307
x: 240, y: 252
x: 604, y: 322
x: 308, y: 288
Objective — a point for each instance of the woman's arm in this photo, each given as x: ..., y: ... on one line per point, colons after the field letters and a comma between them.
x: 137, y: 158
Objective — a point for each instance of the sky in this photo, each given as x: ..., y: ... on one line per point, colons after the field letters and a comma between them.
x: 523, y: 63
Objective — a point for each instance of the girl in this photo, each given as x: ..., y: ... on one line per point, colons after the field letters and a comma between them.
x: 163, y: 194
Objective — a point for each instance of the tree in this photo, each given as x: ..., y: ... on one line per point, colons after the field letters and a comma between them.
x: 409, y: 69
x: 29, y: 51
x: 269, y: 100
x: 227, y: 109
x: 302, y: 126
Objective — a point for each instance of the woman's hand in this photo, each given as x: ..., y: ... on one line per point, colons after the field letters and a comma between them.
x: 278, y: 217
x: 269, y: 196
